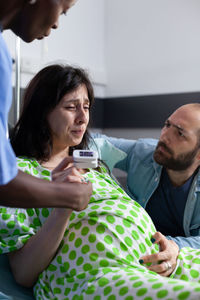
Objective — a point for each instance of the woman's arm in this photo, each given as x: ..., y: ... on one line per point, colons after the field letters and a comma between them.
x: 28, y: 262
x: 35, y: 256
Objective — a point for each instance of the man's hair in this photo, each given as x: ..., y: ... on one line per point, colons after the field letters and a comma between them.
x: 31, y: 136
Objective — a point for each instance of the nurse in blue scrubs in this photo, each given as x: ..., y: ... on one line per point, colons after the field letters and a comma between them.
x: 30, y: 19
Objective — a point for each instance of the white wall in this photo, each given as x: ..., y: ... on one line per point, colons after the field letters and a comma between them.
x: 152, y: 47
x: 130, y: 47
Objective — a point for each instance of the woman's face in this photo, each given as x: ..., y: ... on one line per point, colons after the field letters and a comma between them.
x: 36, y: 21
x: 69, y: 119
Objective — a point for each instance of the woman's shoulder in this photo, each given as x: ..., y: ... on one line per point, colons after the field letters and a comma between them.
x: 26, y: 162
x: 31, y: 166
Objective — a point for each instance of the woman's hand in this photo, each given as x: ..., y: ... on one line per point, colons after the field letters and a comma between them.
x: 163, y: 262
x: 66, y: 172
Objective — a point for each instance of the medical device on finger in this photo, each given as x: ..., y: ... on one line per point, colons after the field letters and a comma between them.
x: 85, y: 159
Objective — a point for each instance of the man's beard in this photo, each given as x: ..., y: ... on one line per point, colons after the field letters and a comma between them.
x: 182, y: 162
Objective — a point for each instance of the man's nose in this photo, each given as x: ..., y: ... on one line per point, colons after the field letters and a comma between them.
x: 165, y: 135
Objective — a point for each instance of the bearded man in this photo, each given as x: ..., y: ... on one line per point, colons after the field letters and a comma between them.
x: 164, y: 177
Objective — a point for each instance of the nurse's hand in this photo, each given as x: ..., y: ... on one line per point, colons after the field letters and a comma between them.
x: 163, y: 262
x: 66, y: 172
x: 76, y: 191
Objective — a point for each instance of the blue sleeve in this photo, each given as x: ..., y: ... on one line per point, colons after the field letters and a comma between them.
x: 123, y: 144
x: 192, y: 241
x: 8, y: 167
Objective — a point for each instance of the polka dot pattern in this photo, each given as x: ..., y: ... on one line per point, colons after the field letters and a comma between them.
x: 98, y: 257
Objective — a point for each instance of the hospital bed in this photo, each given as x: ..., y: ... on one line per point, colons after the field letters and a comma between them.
x: 9, y: 289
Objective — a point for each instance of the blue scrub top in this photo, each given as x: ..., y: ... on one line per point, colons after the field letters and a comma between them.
x: 8, y: 167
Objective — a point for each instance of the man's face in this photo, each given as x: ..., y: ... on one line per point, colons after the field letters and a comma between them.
x: 178, y: 162
x: 36, y: 21
x: 178, y: 147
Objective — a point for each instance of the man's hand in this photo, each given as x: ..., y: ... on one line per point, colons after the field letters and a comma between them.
x: 163, y: 262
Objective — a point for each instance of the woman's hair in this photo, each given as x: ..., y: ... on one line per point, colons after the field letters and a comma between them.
x: 31, y: 136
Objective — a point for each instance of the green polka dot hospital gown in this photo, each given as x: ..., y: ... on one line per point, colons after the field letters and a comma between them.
x: 98, y: 257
